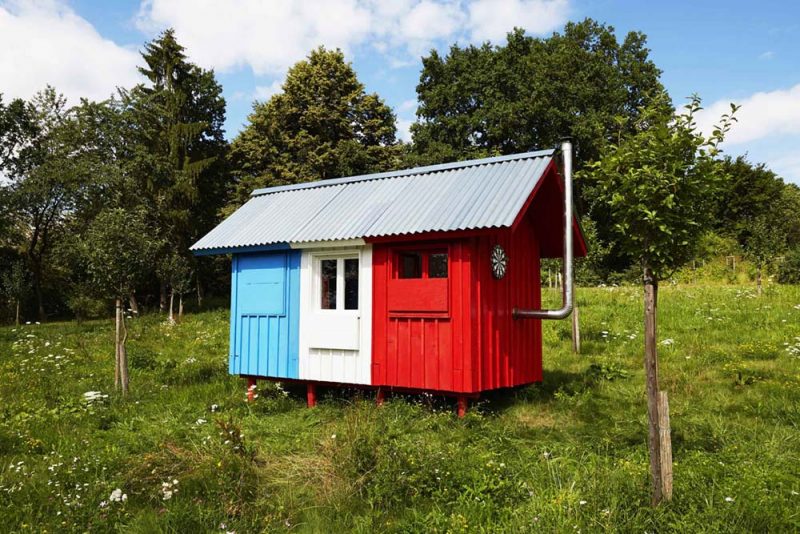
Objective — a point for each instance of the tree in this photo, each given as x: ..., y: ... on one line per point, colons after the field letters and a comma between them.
x: 765, y: 240
x: 42, y: 170
x: 176, y: 145
x: 530, y: 92
x: 751, y: 192
x: 321, y: 125
x: 119, y: 249
x: 176, y: 271
x: 15, y: 287
x: 658, y: 185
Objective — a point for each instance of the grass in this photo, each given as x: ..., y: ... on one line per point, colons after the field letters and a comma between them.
x: 567, y: 455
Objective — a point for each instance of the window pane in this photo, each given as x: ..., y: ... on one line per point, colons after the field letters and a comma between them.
x: 351, y: 284
x: 437, y: 265
x: 328, y: 284
x: 410, y: 265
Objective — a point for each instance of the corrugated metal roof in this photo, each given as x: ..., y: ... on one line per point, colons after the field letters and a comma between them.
x: 473, y: 194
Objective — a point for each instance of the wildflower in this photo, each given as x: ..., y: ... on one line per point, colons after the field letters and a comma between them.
x: 546, y: 455
x: 581, y: 502
x: 214, y: 407
x: 333, y: 436
x: 118, y: 496
x: 729, y: 499
x: 200, y: 421
x: 667, y: 342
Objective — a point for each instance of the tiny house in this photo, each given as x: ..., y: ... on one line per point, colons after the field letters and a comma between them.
x: 399, y: 281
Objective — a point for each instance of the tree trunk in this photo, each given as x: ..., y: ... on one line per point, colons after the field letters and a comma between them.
x: 162, y: 298
x: 651, y: 374
x: 117, y: 338
x: 171, y: 317
x: 123, y: 356
x: 37, y: 288
x: 180, y: 307
x: 200, y: 294
x: 134, y: 303
x: 758, y: 280
x: 16, y: 320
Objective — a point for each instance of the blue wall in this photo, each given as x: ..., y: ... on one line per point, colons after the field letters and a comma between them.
x: 265, y: 314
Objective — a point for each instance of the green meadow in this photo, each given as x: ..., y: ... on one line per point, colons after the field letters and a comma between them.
x: 185, y: 452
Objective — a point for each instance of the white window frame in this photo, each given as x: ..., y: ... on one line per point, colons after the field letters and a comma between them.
x: 316, y: 275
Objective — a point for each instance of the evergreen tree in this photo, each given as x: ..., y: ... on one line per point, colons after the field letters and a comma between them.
x: 175, y: 128
x: 322, y: 125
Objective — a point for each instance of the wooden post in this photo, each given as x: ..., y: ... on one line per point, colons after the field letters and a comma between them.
x: 123, y: 352
x: 117, y: 337
x: 651, y: 376
x: 311, y: 395
x: 665, y: 445
x: 462, y: 406
x: 380, y: 397
x: 251, y: 388
x: 758, y: 280
x: 576, y: 326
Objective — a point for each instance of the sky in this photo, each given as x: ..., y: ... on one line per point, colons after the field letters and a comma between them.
x: 724, y: 50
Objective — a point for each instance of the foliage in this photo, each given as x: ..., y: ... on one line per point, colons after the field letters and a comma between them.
x: 119, y: 250
x: 562, y: 456
x: 321, y: 125
x: 750, y: 192
x: 530, y: 92
x: 658, y: 185
x: 176, y: 271
x: 765, y: 240
x: 789, y: 269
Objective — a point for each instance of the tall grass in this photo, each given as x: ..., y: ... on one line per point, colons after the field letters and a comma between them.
x: 190, y: 455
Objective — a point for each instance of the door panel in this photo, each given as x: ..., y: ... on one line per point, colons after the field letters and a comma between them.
x: 265, y: 314
x: 335, y: 324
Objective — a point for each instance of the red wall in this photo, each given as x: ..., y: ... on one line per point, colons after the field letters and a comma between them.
x: 475, y: 344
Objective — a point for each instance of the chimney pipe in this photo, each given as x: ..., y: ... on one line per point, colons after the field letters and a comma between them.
x: 566, y: 308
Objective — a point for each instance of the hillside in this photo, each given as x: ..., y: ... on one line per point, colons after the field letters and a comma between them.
x: 189, y: 455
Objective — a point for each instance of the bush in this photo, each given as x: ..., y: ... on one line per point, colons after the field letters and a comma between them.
x: 789, y: 270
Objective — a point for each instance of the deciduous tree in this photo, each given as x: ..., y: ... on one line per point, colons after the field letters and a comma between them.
x: 119, y: 249
x: 322, y: 124
x: 658, y: 185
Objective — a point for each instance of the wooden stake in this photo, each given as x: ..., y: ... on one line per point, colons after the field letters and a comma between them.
x: 117, y: 337
x: 123, y: 353
x: 380, y: 397
x: 651, y: 373
x: 665, y: 445
x: 576, y: 331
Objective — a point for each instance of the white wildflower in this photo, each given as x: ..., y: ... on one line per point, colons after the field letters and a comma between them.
x: 667, y: 342
x: 214, y: 407
x: 729, y: 499
x: 118, y: 496
x: 200, y: 421
x: 581, y: 502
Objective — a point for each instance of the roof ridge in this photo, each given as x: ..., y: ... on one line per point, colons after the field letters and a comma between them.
x: 427, y: 169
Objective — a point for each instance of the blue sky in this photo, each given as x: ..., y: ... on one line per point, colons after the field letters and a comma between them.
x: 723, y: 50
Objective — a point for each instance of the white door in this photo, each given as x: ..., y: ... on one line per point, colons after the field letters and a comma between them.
x: 336, y: 315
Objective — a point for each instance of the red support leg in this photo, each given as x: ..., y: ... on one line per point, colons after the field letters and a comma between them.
x: 462, y: 406
x: 380, y: 396
x: 311, y: 395
x: 251, y: 389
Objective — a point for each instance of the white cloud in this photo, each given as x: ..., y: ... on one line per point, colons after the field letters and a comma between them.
x: 46, y: 42
x: 493, y: 19
x: 264, y: 92
x: 269, y: 36
x: 769, y: 54
x: 765, y: 114
x: 404, y: 128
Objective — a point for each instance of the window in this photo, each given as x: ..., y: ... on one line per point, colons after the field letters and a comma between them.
x: 421, y: 264
x: 328, y: 284
x: 338, y: 283
x: 437, y: 265
x: 410, y: 265
x: 351, y: 284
